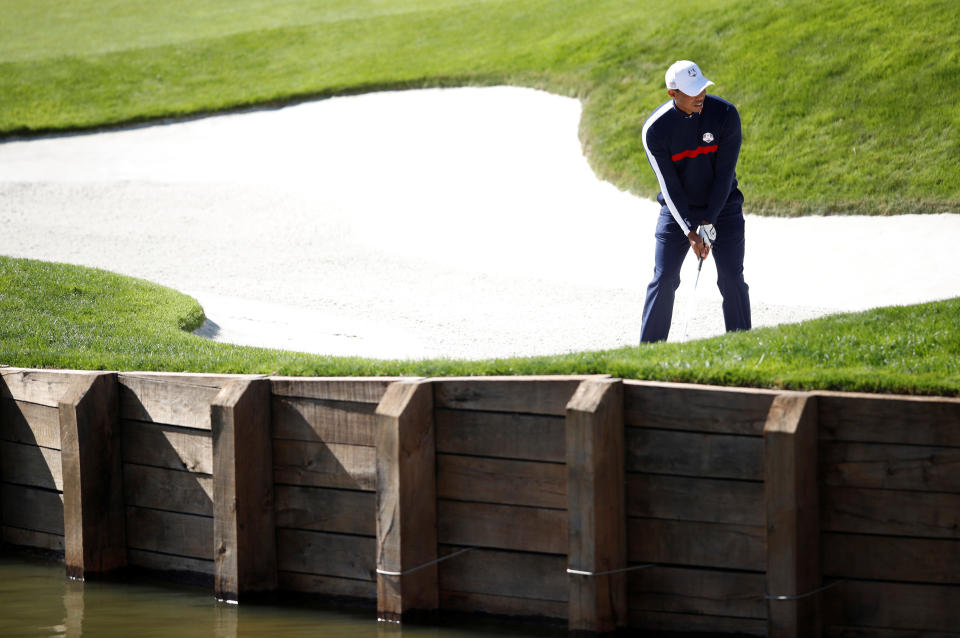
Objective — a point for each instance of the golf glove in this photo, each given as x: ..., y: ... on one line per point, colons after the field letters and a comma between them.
x: 708, y: 233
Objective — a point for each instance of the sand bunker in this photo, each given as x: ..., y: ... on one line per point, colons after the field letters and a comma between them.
x: 455, y: 222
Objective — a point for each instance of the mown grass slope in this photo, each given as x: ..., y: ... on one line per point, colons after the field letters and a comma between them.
x: 53, y: 315
x: 848, y: 105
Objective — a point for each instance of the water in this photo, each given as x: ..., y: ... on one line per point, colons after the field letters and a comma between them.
x: 37, y: 600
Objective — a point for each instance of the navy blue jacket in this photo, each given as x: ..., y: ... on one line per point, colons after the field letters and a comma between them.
x: 695, y: 159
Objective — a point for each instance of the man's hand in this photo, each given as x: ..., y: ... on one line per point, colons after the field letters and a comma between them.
x: 700, y: 248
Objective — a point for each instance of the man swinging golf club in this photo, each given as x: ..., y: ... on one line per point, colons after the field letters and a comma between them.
x: 693, y: 142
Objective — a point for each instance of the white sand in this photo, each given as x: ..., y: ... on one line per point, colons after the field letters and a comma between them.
x: 457, y: 222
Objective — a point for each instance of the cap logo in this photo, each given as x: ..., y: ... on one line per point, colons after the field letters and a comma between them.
x: 708, y: 137
x: 692, y: 72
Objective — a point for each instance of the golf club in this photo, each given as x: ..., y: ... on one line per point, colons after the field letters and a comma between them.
x: 708, y: 233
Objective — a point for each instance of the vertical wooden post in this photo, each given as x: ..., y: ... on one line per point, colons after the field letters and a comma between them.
x: 245, y: 549
x: 793, y: 517
x: 406, y: 501
x: 596, y: 509
x: 94, y: 522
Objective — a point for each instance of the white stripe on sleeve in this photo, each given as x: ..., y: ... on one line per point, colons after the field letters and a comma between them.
x: 656, y: 167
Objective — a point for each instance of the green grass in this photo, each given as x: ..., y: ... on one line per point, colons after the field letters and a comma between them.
x: 58, y: 316
x: 848, y: 105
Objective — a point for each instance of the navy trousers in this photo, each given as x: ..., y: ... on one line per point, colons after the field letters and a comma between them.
x: 672, y: 248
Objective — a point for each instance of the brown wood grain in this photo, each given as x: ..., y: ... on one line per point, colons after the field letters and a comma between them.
x: 698, y: 408
x: 324, y: 464
x: 187, y: 535
x: 792, y: 515
x: 704, y: 455
x: 165, y: 489
x: 245, y: 551
x: 695, y: 499
x: 698, y: 591
x: 890, y: 512
x: 30, y: 423
x: 169, y: 399
x: 323, y: 420
x: 30, y: 465
x: 503, y: 481
x: 502, y: 573
x: 652, y: 540
x: 325, y: 554
x: 31, y: 508
x: 502, y: 526
x: 406, y: 542
x: 596, y: 511
x: 870, y: 557
x: 503, y: 435
x: 328, y: 510
x: 889, y: 419
x: 923, y: 609
x: 886, y: 466
x: 518, y: 395
x: 167, y: 446
x: 354, y: 389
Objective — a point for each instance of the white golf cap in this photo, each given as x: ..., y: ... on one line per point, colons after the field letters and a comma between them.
x: 685, y: 76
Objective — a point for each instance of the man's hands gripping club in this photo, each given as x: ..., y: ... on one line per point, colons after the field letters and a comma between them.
x: 702, y: 239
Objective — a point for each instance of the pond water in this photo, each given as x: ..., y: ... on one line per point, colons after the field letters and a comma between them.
x: 37, y: 599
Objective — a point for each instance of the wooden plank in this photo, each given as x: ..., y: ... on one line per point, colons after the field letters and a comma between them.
x: 355, y: 389
x: 170, y: 533
x: 889, y: 419
x: 167, y: 446
x: 878, y: 632
x: 502, y: 605
x: 38, y: 386
x: 164, y: 489
x: 406, y: 501
x: 321, y: 420
x: 502, y: 526
x: 31, y: 508
x: 696, y: 624
x: 168, y: 563
x: 322, y: 553
x: 522, y: 395
x: 170, y: 399
x: 495, y: 434
x: 697, y: 544
x: 890, y: 512
x: 919, y: 560
x: 29, y: 538
x: 93, y: 511
x: 698, y: 591
x: 596, y: 517
x: 327, y: 510
x: 509, y: 482
x: 695, y: 499
x: 327, y: 585
x: 698, y: 408
x: 694, y: 454
x: 245, y: 555
x: 30, y: 423
x: 793, y: 523
x: 30, y: 465
x: 325, y: 465
x: 886, y: 466
x: 508, y: 574
x: 920, y: 608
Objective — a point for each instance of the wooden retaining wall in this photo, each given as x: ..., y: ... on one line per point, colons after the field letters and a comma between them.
x: 603, y: 502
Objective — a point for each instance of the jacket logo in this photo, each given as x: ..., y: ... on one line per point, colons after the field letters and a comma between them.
x: 707, y: 138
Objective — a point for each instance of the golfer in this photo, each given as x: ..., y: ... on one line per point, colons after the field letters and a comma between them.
x: 693, y: 142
